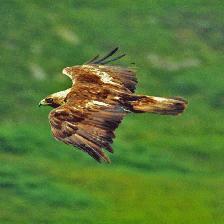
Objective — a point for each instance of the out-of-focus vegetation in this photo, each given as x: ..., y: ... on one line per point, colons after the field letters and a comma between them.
x: 165, y: 170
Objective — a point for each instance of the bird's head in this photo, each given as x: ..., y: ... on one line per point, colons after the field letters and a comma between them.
x: 55, y: 100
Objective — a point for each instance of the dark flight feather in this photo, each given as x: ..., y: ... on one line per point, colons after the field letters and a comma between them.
x: 91, y: 60
x: 106, y: 56
x: 113, y: 59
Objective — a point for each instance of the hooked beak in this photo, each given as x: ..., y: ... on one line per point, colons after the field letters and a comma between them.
x: 42, y: 103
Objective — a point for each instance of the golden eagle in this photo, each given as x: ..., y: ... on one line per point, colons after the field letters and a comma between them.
x: 87, y: 114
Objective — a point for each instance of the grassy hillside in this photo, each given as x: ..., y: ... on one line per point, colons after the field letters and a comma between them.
x: 164, y: 170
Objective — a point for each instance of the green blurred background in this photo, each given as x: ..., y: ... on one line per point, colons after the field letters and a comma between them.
x: 165, y: 170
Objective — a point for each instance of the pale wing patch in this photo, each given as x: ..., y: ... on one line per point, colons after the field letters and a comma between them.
x: 104, y: 76
x: 116, y: 97
x: 98, y: 103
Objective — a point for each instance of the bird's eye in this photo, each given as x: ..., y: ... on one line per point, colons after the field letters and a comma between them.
x: 49, y: 100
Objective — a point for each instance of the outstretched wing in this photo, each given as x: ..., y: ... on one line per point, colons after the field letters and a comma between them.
x: 89, y: 126
x: 93, y: 108
x: 121, y: 79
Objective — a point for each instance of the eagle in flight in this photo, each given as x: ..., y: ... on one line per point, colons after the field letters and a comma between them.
x: 87, y: 114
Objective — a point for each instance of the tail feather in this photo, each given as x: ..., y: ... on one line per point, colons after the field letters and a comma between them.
x: 159, y: 105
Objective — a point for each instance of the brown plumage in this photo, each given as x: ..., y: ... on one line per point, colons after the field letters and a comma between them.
x: 87, y: 114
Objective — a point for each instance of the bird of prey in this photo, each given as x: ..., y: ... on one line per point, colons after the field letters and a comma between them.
x: 87, y: 114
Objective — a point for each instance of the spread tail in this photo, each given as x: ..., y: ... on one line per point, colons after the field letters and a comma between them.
x: 158, y: 105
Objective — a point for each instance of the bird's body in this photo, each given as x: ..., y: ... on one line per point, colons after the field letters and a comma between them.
x: 87, y: 114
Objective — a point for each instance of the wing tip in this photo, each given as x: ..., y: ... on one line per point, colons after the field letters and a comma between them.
x: 102, y: 159
x: 101, y: 61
